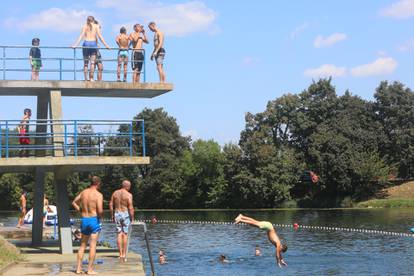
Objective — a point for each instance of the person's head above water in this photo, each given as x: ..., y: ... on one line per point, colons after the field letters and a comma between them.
x: 123, y: 30
x: 126, y: 184
x: 95, y: 181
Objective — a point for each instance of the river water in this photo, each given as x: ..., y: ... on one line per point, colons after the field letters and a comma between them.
x: 194, y: 249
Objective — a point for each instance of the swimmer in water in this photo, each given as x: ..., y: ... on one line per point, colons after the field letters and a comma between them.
x: 271, y: 234
x: 223, y: 259
x: 161, y: 257
x: 257, y: 251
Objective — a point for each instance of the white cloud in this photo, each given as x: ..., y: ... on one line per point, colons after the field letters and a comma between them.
x: 250, y: 60
x: 55, y: 19
x: 299, y: 29
x: 407, y: 46
x: 328, y: 41
x: 381, y: 66
x: 174, y: 19
x: 401, y: 10
x: 325, y: 70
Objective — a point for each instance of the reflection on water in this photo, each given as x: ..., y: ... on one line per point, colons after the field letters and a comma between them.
x: 194, y: 249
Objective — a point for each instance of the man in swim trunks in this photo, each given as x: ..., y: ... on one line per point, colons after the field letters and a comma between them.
x: 90, y: 32
x: 271, y: 234
x: 90, y: 204
x: 159, y: 52
x: 122, y: 212
x: 137, y: 38
x: 22, y: 202
x: 123, y: 43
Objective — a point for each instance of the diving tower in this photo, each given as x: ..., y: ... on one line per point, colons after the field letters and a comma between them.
x: 56, y: 144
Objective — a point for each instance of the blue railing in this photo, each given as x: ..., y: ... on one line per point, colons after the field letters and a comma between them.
x: 61, y: 63
x: 72, y: 138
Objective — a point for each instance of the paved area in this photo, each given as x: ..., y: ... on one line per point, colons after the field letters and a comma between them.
x: 46, y: 260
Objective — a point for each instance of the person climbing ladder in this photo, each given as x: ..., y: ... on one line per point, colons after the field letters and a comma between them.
x: 271, y: 234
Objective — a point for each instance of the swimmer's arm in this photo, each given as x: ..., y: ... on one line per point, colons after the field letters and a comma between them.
x: 79, y: 38
x: 111, y: 207
x: 75, y: 202
x: 131, y: 208
x: 279, y: 258
x: 99, y: 209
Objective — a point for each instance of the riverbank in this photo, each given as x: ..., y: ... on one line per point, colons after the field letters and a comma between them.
x: 399, y: 196
x: 9, y: 254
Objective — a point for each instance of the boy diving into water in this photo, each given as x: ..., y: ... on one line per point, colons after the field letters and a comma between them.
x: 271, y: 234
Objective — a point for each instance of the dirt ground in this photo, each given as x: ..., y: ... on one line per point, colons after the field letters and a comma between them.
x: 403, y: 191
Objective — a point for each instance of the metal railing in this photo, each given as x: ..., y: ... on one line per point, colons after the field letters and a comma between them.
x: 72, y: 138
x: 61, y: 63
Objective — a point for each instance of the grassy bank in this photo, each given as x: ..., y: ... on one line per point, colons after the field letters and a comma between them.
x: 8, y: 253
x: 387, y: 203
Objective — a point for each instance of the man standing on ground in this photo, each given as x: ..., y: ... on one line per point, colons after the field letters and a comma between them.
x: 22, y: 203
x: 90, y: 204
x: 137, y: 38
x: 121, y: 203
x: 159, y: 52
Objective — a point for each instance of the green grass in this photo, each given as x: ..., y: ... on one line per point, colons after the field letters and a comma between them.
x: 8, y: 253
x: 387, y: 203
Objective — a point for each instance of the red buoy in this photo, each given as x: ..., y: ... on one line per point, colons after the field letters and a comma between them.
x: 295, y: 226
x: 154, y: 220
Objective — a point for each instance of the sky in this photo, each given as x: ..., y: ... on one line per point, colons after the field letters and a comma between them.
x: 230, y: 57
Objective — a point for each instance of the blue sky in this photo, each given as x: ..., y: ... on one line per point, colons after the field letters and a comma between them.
x: 230, y: 57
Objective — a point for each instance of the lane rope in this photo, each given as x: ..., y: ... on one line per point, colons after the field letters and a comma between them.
x: 294, y: 226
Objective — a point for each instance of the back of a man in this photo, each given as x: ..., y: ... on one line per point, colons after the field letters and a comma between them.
x: 122, y: 212
x: 90, y: 204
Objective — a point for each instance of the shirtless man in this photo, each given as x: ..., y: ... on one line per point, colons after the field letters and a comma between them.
x: 121, y: 203
x: 137, y: 39
x: 22, y: 203
x: 159, y: 52
x: 90, y: 32
x: 90, y: 204
x: 123, y: 43
x: 98, y: 62
x: 271, y: 235
x: 24, y: 139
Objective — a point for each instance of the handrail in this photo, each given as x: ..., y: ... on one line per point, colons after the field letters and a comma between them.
x: 66, y: 60
x: 72, y: 138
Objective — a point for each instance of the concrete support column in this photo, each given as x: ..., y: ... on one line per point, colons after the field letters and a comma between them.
x: 57, y: 129
x: 37, y: 229
x: 41, y: 128
x: 62, y: 200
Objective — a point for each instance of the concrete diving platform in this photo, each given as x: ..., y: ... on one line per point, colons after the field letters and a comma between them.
x: 84, y: 88
x: 79, y: 163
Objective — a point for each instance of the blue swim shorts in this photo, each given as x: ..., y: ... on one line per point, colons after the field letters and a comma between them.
x: 90, y: 226
x: 122, y: 222
x: 89, y: 49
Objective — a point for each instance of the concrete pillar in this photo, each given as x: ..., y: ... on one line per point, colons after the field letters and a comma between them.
x: 37, y: 227
x: 56, y: 114
x: 41, y: 127
x: 65, y: 232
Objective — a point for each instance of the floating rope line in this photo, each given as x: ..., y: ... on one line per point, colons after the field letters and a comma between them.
x: 295, y: 226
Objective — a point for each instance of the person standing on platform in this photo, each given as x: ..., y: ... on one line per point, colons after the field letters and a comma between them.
x: 99, y: 57
x: 35, y: 58
x: 23, y: 128
x: 122, y: 213
x: 137, y: 38
x: 90, y: 32
x: 123, y: 43
x: 90, y: 204
x: 22, y: 203
x: 159, y: 52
